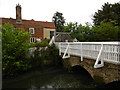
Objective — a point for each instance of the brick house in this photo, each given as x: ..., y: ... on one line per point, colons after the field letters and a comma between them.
x: 39, y: 30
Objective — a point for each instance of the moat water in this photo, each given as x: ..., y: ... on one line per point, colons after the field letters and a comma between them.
x: 51, y: 77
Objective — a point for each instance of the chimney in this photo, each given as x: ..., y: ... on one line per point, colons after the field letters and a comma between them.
x: 18, y: 13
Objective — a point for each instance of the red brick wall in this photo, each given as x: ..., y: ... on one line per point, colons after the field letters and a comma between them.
x: 26, y: 24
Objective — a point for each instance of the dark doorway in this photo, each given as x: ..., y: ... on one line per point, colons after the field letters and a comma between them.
x: 51, y: 34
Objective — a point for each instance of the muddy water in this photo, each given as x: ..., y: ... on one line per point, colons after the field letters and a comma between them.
x: 50, y: 78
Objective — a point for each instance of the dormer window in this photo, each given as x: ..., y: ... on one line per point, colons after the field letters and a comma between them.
x: 31, y: 30
x: 18, y: 21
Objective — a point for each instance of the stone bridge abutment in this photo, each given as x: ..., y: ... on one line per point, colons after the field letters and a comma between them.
x: 106, y: 74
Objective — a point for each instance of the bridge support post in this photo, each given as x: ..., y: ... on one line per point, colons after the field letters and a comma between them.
x: 97, y: 65
x: 59, y: 48
x: 81, y: 53
x: 67, y: 50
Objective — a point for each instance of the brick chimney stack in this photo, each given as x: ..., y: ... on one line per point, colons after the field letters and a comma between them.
x: 18, y: 12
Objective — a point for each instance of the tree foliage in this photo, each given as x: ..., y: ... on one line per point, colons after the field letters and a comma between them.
x: 82, y: 33
x: 106, y: 31
x: 78, y: 31
x: 16, y: 57
x: 106, y: 25
x: 43, y: 56
x: 59, y: 21
x: 69, y: 27
x: 14, y: 49
x: 109, y: 13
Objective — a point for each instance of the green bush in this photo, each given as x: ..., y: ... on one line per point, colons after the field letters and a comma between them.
x: 45, y: 55
x: 14, y: 50
x: 67, y: 65
x: 52, y: 54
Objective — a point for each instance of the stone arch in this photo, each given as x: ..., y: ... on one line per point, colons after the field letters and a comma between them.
x: 75, y: 61
x: 108, y: 73
x: 88, y: 66
x: 78, y: 69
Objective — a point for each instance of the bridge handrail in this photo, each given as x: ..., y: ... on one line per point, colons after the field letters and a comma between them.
x: 110, y: 52
x: 107, y: 43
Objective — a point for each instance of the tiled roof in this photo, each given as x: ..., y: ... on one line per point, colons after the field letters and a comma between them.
x: 63, y: 36
x: 29, y: 22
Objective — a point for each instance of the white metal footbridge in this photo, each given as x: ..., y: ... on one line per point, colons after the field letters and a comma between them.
x: 99, y: 51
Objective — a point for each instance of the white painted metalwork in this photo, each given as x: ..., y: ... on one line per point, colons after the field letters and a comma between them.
x: 81, y: 53
x: 66, y: 52
x: 59, y: 48
x: 108, y: 52
x: 97, y: 65
x: 52, y: 40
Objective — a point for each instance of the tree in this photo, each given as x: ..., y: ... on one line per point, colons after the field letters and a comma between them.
x: 106, y: 32
x: 70, y: 27
x: 78, y: 31
x: 109, y: 13
x: 59, y: 21
x: 82, y: 33
x: 14, y: 49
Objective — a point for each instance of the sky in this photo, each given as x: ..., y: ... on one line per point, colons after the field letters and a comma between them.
x: 80, y: 11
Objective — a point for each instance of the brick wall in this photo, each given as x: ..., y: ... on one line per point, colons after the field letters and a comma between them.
x: 26, y: 24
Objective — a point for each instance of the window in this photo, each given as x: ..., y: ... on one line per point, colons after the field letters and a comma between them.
x: 31, y: 30
x: 32, y: 39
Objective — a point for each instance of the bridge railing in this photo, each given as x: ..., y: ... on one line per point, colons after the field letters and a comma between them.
x: 99, y: 51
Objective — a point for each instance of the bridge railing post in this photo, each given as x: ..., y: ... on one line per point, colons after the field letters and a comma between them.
x: 97, y: 65
x: 59, y: 48
x: 67, y: 51
x: 81, y: 53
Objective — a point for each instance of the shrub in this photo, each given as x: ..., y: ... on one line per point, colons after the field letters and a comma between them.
x: 14, y: 50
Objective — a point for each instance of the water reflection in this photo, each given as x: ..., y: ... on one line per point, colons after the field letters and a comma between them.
x: 52, y: 78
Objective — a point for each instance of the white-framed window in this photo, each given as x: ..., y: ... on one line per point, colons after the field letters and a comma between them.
x: 31, y: 31
x: 32, y: 39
